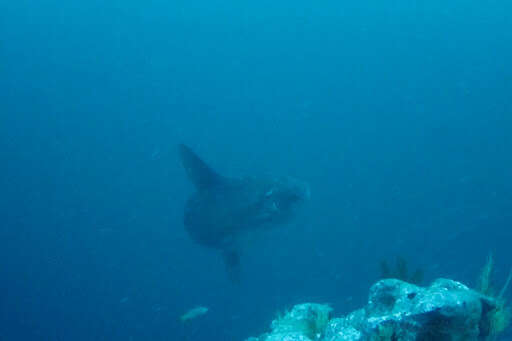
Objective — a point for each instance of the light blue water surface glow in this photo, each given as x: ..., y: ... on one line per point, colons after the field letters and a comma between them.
x: 397, y: 113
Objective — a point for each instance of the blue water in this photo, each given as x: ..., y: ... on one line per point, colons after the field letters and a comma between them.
x: 397, y: 113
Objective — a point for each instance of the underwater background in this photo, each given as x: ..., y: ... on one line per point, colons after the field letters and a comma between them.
x: 398, y: 114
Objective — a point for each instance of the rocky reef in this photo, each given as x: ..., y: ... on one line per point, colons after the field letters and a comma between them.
x: 396, y: 310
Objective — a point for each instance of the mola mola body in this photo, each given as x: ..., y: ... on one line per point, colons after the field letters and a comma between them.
x: 223, y: 210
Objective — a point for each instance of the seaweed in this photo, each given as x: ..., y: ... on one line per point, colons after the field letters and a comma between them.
x: 497, y: 319
x: 311, y: 324
x: 384, y: 332
x: 484, y: 281
x: 401, y: 271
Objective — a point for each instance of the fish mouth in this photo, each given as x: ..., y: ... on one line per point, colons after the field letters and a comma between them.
x: 306, y: 191
x: 298, y: 190
x: 287, y: 194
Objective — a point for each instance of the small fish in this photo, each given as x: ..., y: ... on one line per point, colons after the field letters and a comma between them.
x: 155, y: 155
x: 193, y: 313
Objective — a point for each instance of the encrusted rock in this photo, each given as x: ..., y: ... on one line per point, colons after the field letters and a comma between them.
x: 340, y: 329
x: 396, y: 310
x: 446, y: 310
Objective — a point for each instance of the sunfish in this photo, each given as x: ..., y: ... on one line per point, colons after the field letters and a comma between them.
x: 223, y: 209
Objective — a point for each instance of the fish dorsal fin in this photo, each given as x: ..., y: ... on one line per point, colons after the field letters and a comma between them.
x: 197, y: 170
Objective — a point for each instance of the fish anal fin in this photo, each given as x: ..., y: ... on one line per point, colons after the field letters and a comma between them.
x: 232, y: 262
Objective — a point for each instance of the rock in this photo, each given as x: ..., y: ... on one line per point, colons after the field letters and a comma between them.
x: 396, y: 310
x: 305, y: 322
x: 287, y: 337
x: 341, y: 329
x: 446, y: 310
x: 308, y: 318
